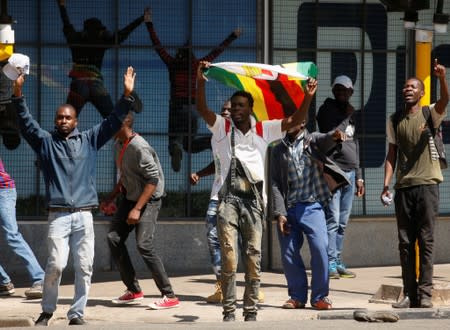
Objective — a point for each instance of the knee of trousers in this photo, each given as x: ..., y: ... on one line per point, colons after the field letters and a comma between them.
x: 113, y: 238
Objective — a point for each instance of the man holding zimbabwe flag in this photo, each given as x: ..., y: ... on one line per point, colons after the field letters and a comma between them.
x: 241, y: 143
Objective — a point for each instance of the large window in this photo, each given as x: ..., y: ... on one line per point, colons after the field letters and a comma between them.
x: 358, y: 38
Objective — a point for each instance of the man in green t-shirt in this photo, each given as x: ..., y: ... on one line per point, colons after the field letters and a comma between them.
x: 413, y: 152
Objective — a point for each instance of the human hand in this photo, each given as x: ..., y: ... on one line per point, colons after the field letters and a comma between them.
x: 439, y: 70
x: 203, y: 66
x: 194, y: 178
x: 360, y: 189
x: 339, y: 136
x: 311, y: 87
x: 18, y: 84
x: 133, y: 216
x: 283, y: 225
x: 108, y: 207
x: 386, y: 197
x: 147, y: 14
x: 128, y: 81
x: 237, y: 32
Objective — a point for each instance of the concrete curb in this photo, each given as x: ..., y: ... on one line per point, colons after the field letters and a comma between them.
x: 7, y: 322
x: 405, y: 314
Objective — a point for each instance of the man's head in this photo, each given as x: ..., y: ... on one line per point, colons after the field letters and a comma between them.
x: 226, y: 109
x: 241, y: 107
x: 66, y: 119
x: 127, y: 127
x: 93, y: 25
x: 293, y: 132
x: 413, y: 90
x: 184, y: 52
x: 342, y: 89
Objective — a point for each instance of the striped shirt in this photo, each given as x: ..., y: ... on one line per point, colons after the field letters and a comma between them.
x: 306, y: 183
x: 5, y: 179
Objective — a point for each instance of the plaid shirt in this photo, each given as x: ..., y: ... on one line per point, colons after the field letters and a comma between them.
x: 5, y: 179
x: 306, y: 183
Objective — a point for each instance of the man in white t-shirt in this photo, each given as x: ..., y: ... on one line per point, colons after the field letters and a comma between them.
x: 242, y: 196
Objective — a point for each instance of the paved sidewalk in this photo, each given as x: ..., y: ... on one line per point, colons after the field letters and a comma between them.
x: 346, y: 294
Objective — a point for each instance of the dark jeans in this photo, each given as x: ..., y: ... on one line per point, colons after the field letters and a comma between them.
x: 144, y: 231
x: 90, y: 90
x: 183, y: 122
x: 416, y: 209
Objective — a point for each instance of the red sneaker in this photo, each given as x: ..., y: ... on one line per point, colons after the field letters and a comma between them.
x: 322, y: 304
x: 128, y: 298
x: 165, y: 303
x: 293, y: 304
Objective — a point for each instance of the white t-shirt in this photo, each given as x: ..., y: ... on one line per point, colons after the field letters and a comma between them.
x: 250, y: 148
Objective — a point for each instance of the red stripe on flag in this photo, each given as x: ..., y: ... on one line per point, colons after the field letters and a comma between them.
x: 274, y: 109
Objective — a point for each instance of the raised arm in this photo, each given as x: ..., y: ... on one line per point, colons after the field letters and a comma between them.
x: 126, y: 31
x: 207, y: 114
x: 219, y: 49
x: 30, y: 128
x: 163, y: 54
x: 300, y: 115
x: 439, y: 72
x: 109, y: 126
x: 68, y: 28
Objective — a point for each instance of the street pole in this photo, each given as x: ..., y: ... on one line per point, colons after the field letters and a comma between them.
x: 424, y: 39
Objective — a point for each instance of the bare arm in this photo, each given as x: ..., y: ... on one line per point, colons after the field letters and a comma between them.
x: 207, y: 114
x: 439, y: 72
x: 206, y: 171
x: 389, y: 167
x: 300, y: 115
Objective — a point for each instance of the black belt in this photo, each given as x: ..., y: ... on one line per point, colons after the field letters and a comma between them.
x: 70, y: 209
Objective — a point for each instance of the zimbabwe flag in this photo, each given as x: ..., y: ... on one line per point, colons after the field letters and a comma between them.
x: 276, y: 89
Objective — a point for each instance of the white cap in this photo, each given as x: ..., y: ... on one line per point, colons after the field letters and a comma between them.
x: 344, y: 81
x: 17, y: 64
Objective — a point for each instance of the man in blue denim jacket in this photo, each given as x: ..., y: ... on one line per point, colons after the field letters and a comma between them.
x: 68, y: 162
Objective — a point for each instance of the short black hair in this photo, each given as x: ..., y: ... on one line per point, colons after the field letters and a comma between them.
x: 245, y: 94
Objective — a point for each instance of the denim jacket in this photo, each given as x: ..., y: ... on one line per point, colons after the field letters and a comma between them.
x: 69, y: 164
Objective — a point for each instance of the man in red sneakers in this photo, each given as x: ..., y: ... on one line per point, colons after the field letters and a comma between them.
x: 142, y: 184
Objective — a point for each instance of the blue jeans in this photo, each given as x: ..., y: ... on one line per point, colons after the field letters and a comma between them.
x: 211, y: 236
x: 75, y: 232
x: 337, y: 213
x: 10, y: 233
x: 242, y: 218
x: 305, y: 219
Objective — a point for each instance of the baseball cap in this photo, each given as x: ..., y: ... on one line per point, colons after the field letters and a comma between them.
x: 344, y: 81
x: 17, y: 64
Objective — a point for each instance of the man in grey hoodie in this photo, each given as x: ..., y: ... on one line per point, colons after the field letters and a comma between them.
x: 142, y: 185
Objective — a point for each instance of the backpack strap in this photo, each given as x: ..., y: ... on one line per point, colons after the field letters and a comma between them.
x: 427, y: 115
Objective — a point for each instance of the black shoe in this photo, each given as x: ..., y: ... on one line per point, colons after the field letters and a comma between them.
x: 405, y: 303
x: 43, y: 319
x: 250, y: 317
x: 426, y: 303
x: 77, y: 321
x: 229, y: 317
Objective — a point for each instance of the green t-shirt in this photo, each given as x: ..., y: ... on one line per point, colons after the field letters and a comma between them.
x: 414, y: 164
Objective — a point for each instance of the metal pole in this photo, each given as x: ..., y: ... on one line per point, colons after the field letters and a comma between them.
x: 424, y: 39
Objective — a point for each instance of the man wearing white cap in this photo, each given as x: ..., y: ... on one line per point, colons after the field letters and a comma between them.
x: 338, y: 113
